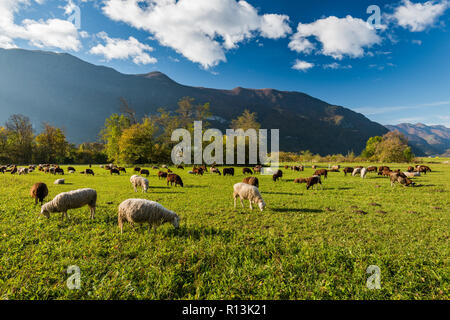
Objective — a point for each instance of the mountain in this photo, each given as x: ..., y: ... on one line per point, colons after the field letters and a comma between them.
x: 70, y: 93
x: 430, y: 140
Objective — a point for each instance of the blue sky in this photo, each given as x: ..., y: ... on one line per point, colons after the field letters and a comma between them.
x: 397, y: 73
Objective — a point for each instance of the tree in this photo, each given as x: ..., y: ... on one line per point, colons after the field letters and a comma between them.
x: 111, y: 133
x: 4, y: 154
x: 394, y: 148
x: 136, y: 144
x: 20, y: 138
x: 93, y: 152
x: 246, y: 121
x: 51, y: 145
x: 371, y: 147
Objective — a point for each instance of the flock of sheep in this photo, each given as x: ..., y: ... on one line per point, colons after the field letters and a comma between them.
x: 153, y: 213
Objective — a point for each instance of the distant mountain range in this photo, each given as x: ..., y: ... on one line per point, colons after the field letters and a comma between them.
x: 78, y: 96
x: 426, y: 140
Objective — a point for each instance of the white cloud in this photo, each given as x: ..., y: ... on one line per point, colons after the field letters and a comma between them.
x: 123, y: 49
x: 336, y: 66
x: 200, y: 30
x: 6, y: 42
x: 417, y: 17
x: 55, y: 33
x: 302, y: 65
x: 339, y: 37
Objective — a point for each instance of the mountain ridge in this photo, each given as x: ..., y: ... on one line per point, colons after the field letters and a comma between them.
x: 430, y: 139
x: 78, y: 96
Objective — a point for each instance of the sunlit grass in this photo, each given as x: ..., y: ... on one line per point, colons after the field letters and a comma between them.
x: 314, y: 244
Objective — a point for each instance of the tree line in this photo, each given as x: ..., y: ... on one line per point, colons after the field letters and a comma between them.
x: 125, y: 139
x: 20, y: 145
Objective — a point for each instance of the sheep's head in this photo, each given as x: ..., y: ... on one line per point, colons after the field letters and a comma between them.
x: 261, y: 205
x: 176, y: 222
x: 45, y: 212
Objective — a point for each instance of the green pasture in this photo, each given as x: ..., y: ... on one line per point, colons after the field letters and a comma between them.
x: 307, y: 244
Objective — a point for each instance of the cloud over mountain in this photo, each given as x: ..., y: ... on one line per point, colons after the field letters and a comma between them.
x: 201, y: 30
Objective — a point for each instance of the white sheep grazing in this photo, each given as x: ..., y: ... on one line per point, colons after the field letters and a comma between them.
x: 133, y: 177
x: 248, y: 192
x: 412, y: 174
x: 59, y: 181
x: 363, y: 173
x: 71, y: 200
x: 138, y: 181
x: 146, y: 211
x: 356, y: 171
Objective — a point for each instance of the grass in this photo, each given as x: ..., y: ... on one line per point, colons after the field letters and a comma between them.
x: 314, y: 244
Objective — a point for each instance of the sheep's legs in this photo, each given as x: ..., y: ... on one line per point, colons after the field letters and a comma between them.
x: 92, y: 212
x: 120, y: 222
x: 251, y: 207
x: 242, y: 203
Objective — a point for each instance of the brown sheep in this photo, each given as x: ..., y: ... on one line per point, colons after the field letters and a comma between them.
x: 372, y: 169
x: 137, y: 169
x: 39, y: 192
x: 162, y: 175
x: 310, y: 182
x: 228, y: 171
x: 383, y: 168
x: 401, y: 179
x: 198, y: 171
x: 251, y: 181
x: 144, y: 172
x: 424, y: 169
x: 386, y: 173
x: 321, y: 172
x: 89, y: 172
x: 348, y: 170
x: 114, y: 171
x: 247, y: 171
x: 277, y: 175
x: 174, y: 178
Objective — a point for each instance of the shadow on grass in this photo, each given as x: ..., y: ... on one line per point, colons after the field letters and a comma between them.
x: 195, y: 187
x: 303, y: 210
x: 284, y: 193
x: 197, y: 233
x: 424, y: 185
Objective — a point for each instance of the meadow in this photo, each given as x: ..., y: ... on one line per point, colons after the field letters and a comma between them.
x: 307, y: 244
